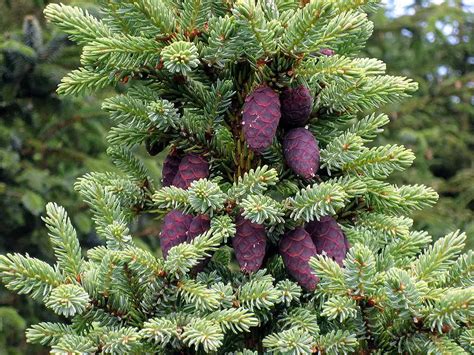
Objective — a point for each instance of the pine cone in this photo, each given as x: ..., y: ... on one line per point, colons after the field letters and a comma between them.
x: 193, y: 167
x: 328, y: 238
x: 170, y: 168
x: 261, y: 117
x: 301, y: 152
x: 199, y: 225
x: 249, y: 242
x: 174, y: 230
x: 296, y: 249
x: 296, y: 106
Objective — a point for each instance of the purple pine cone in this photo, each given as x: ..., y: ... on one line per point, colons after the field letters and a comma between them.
x: 249, y: 242
x: 174, y: 230
x: 328, y: 238
x: 191, y: 168
x: 170, y: 168
x: 296, y: 249
x: 301, y: 152
x: 261, y: 115
x: 296, y: 106
x: 199, y: 225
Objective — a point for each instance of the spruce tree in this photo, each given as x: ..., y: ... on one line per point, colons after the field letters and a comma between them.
x: 279, y: 232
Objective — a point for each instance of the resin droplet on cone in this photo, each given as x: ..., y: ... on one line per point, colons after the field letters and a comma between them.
x: 249, y: 243
x: 296, y: 106
x: 301, y: 152
x: 296, y: 249
x: 170, y: 168
x: 328, y: 238
x: 174, y: 230
x: 191, y: 168
x: 261, y: 115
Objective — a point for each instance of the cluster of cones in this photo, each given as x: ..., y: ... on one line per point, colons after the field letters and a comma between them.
x: 297, y: 247
x: 180, y: 171
x: 263, y: 112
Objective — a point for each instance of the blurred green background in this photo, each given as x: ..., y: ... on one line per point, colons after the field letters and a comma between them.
x: 46, y: 142
x: 432, y: 42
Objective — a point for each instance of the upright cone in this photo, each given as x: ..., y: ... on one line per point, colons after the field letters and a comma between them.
x: 191, y: 168
x: 328, y: 238
x: 301, y: 152
x: 174, y: 230
x: 296, y: 249
x: 249, y: 242
x: 296, y: 106
x: 199, y: 225
x: 170, y: 168
x: 261, y: 116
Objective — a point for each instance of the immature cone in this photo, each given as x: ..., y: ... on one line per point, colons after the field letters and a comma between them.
x: 170, y: 168
x: 328, y: 238
x: 191, y: 168
x: 261, y: 115
x: 296, y: 249
x: 249, y: 242
x: 301, y: 152
x: 199, y: 225
x: 296, y: 106
x: 174, y: 230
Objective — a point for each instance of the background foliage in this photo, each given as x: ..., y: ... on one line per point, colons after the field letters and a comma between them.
x: 46, y: 142
x: 434, y: 45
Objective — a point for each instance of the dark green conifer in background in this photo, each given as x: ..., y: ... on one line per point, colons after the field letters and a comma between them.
x: 46, y: 142
x: 434, y: 45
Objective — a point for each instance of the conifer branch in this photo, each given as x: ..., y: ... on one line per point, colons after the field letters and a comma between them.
x: 439, y: 257
x: 78, y: 23
x: 64, y: 239
x: 26, y: 275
